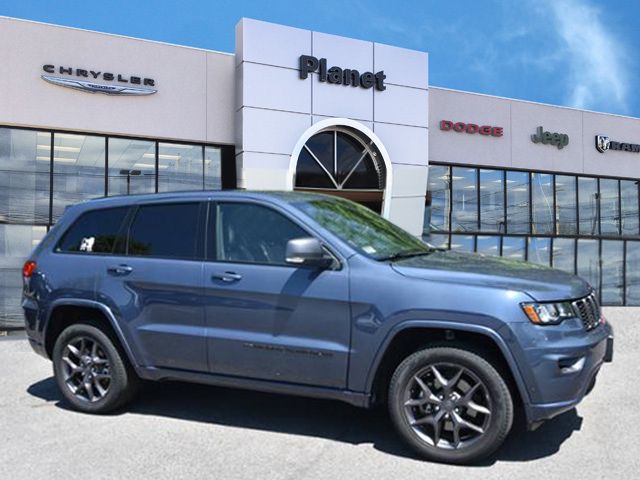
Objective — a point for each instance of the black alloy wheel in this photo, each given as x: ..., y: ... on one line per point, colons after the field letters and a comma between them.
x: 450, y: 405
x: 91, y: 369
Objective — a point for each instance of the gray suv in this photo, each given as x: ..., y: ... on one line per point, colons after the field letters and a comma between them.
x: 310, y: 295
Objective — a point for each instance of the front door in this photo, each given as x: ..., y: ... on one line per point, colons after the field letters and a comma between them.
x: 155, y: 286
x: 267, y: 319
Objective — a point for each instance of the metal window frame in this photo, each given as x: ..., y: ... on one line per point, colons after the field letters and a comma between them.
x: 598, y: 235
x: 228, y: 171
x: 51, y: 155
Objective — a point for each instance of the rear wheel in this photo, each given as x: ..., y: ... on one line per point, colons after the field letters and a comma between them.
x: 450, y: 405
x: 91, y: 371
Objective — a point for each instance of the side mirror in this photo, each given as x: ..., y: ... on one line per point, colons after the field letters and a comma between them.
x: 307, y: 251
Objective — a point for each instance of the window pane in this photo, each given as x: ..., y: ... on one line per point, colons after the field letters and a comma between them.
x: 242, y: 239
x: 492, y: 200
x: 358, y: 169
x: 612, y: 272
x: 436, y: 216
x: 539, y: 250
x: 609, y: 212
x: 348, y: 153
x: 588, y: 193
x: 132, y: 166
x: 542, y: 197
x: 513, y: 247
x: 517, y: 202
x: 464, y: 213
x: 321, y: 145
x: 462, y: 243
x: 16, y: 243
x: 438, y: 240
x: 589, y: 262
x: 180, y: 167
x: 566, y: 205
x: 78, y: 170
x: 564, y: 254
x: 488, y: 245
x: 212, y: 168
x: 95, y: 231
x: 633, y: 273
x: 629, y: 200
x: 310, y: 174
x: 168, y: 230
x: 24, y: 176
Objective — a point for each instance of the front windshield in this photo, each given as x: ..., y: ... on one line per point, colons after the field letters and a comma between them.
x: 364, y: 230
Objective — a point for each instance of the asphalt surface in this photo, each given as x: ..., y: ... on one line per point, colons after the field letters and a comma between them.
x: 190, y: 431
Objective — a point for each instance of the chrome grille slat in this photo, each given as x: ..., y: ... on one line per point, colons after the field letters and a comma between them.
x: 588, y: 310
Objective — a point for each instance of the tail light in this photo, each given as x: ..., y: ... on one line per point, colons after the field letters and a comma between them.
x: 28, y: 268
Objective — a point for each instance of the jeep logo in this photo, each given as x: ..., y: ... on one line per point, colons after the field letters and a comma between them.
x: 560, y: 140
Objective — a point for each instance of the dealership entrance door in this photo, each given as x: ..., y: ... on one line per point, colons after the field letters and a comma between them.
x: 342, y: 161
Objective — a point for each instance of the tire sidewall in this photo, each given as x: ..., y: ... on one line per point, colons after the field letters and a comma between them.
x: 120, y: 377
x: 501, y: 403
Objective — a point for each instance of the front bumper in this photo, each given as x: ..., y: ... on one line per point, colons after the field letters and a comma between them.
x: 561, y: 365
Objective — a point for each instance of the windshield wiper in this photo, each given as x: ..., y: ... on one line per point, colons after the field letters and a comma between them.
x: 401, y: 255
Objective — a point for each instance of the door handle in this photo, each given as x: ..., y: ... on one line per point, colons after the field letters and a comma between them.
x: 120, y: 269
x: 228, y: 277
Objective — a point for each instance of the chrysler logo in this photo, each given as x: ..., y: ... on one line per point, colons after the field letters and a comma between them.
x: 602, y: 143
x: 98, y: 87
x: 89, y: 81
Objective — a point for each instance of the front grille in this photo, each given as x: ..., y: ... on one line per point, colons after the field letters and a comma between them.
x: 588, y: 310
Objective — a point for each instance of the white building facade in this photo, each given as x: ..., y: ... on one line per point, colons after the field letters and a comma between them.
x: 85, y: 114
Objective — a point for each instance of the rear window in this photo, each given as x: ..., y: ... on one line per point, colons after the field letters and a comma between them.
x: 96, y: 231
x: 165, y: 230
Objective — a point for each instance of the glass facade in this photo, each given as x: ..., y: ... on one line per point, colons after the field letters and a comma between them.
x: 517, y: 187
x: 581, y: 224
x: 41, y: 172
x: 491, y: 200
x: 438, y: 191
x: 464, y: 199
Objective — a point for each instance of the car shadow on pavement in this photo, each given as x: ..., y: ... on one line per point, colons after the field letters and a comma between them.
x: 309, y: 417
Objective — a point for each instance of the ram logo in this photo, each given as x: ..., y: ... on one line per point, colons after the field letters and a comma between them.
x: 602, y: 143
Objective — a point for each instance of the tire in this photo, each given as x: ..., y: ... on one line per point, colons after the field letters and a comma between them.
x: 487, y: 407
x: 112, y: 381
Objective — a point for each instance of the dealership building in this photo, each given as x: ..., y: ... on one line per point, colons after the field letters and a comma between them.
x: 86, y: 114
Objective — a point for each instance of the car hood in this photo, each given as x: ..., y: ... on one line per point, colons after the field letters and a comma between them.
x: 539, y: 282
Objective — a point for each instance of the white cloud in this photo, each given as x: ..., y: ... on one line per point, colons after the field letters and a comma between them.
x: 594, y: 58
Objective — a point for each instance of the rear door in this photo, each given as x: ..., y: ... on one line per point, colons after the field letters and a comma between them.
x: 72, y: 269
x: 154, y: 284
x: 267, y: 319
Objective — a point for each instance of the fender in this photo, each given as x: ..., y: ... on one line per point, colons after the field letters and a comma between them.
x: 80, y: 302
x: 445, y: 325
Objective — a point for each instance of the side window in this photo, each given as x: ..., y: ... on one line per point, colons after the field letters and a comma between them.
x: 253, y: 234
x: 165, y: 230
x: 96, y: 231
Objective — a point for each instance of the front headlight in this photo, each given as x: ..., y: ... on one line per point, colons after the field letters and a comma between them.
x: 548, y: 313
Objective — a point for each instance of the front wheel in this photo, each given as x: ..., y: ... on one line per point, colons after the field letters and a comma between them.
x: 90, y: 370
x: 450, y: 405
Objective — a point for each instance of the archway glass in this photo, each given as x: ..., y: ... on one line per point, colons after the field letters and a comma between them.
x: 341, y: 161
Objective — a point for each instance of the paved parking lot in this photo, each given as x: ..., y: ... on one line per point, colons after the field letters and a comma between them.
x: 191, y: 431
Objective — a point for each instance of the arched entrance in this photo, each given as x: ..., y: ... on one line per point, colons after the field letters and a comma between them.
x: 342, y: 157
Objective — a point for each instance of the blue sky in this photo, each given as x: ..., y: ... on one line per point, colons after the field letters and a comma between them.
x: 578, y: 53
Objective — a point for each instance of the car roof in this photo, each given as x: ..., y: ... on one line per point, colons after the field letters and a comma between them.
x: 203, y: 195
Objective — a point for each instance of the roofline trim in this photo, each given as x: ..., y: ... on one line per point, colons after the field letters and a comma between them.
x: 128, y: 37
